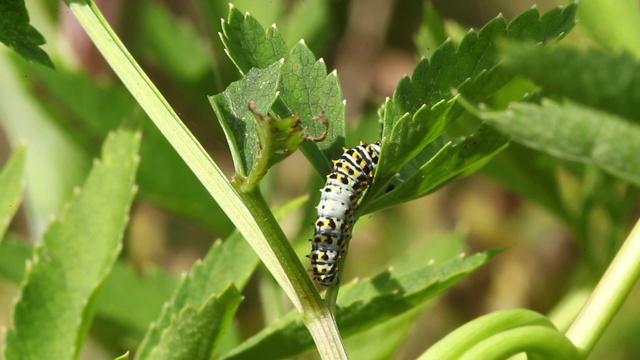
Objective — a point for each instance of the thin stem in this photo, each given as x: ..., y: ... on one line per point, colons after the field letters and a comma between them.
x: 608, y: 296
x: 316, y: 315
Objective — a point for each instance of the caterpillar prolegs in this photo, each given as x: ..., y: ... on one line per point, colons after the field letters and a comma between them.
x: 351, y: 176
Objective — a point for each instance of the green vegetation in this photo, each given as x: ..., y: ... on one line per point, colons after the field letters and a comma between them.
x: 540, y: 104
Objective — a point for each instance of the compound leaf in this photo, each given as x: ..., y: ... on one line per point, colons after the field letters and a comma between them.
x: 305, y: 89
x: 426, y: 101
x: 455, y: 159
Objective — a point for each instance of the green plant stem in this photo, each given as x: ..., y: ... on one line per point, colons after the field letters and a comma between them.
x: 608, y: 296
x: 331, y: 296
x: 456, y: 343
x: 290, y: 269
x: 566, y: 310
x: 315, y: 313
x: 541, y: 342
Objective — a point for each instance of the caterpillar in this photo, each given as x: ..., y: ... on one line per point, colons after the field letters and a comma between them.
x: 351, y: 175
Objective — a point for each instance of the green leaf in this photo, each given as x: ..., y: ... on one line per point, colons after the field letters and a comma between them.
x: 574, y: 132
x: 124, y: 289
x: 127, y: 289
x: 87, y: 111
x: 194, y: 292
x: 265, y: 12
x: 230, y: 262
x: 12, y: 184
x: 57, y: 299
x: 14, y: 253
x: 426, y: 102
x: 583, y: 76
x: 362, y: 305
x: 247, y: 43
x: 305, y: 88
x: 210, y: 276
x: 308, y: 91
x: 455, y: 159
x: 410, y: 134
x: 384, y: 340
x: 17, y: 34
x: 381, y: 298
x: 194, y: 333
x: 449, y: 67
x: 238, y: 121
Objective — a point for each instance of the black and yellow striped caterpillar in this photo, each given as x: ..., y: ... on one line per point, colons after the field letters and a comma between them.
x: 351, y: 176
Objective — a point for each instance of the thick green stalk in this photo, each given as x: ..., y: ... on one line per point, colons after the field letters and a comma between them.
x: 608, y: 296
